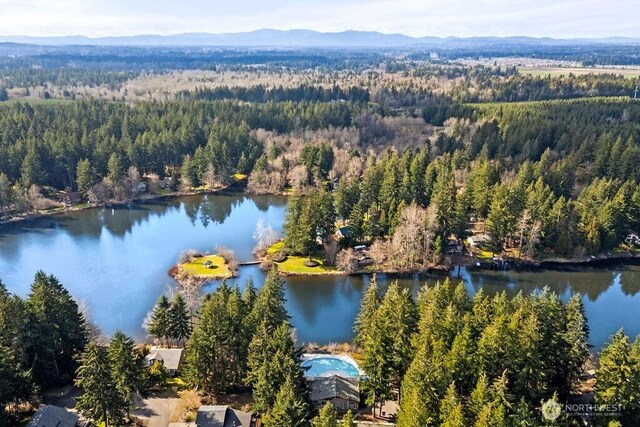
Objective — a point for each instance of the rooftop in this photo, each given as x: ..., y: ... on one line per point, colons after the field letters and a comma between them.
x: 53, y: 416
x: 170, y: 357
x: 222, y: 416
x: 335, y: 386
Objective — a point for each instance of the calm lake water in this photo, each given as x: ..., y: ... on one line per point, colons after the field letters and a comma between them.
x: 116, y: 260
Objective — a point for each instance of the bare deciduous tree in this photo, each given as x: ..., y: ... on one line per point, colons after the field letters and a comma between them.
x: 379, y: 252
x: 131, y: 182
x: 330, y: 248
x: 265, y: 236
x: 412, y: 241
x: 99, y: 193
x: 347, y: 261
x: 229, y: 257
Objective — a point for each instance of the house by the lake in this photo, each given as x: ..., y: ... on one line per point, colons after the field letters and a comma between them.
x: 171, y: 358
x: 478, y: 240
x: 342, y: 393
x: 342, y: 232
x: 454, y: 245
x: 70, y: 198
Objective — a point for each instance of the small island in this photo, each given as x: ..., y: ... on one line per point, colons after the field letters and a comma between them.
x: 208, y: 266
x: 193, y: 264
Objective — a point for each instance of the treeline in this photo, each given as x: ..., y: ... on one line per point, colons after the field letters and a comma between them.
x: 44, y: 144
x: 533, y: 212
x: 523, y: 87
x: 261, y: 93
x: 161, y: 59
x: 461, y: 361
x: 62, y: 76
x: 581, y: 129
x: 587, y: 55
x: 246, y: 340
x: 40, y: 338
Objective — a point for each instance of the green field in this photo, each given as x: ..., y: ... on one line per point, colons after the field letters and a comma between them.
x: 559, y: 71
x: 217, y: 270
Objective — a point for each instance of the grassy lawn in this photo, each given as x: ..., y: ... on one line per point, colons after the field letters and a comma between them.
x: 295, y: 264
x: 177, y: 382
x: 276, y: 247
x: 217, y: 270
x: 482, y: 254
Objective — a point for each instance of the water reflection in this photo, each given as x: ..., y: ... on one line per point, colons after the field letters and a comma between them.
x: 116, y: 260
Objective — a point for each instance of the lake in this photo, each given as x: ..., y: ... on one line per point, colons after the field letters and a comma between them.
x: 115, y: 261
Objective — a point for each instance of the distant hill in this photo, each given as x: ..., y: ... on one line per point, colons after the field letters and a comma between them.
x: 304, y: 38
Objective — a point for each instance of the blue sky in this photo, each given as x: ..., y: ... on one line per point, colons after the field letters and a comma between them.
x: 552, y: 18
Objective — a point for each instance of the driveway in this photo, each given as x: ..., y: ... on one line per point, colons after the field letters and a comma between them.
x: 156, y: 411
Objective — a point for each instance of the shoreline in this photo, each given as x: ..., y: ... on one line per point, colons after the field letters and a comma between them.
x: 85, y: 206
x: 446, y: 267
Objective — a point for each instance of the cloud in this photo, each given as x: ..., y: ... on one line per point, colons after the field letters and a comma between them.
x: 553, y: 18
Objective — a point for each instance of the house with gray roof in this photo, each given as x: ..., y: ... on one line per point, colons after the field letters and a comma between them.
x: 171, y: 358
x: 343, y: 393
x: 222, y: 416
x: 53, y: 416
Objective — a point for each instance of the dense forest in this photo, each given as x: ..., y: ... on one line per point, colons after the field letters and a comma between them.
x: 455, y: 360
x: 405, y: 151
x: 558, y: 176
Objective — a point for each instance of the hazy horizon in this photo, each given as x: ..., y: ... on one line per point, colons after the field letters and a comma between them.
x: 440, y: 18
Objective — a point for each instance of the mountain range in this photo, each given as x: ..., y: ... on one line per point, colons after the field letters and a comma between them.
x: 305, y: 38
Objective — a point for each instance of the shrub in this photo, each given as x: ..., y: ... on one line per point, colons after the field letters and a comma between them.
x: 266, y: 264
x: 311, y: 263
x: 229, y: 257
x: 188, y: 255
x: 279, y: 256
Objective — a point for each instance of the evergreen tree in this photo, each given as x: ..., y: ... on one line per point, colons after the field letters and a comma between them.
x: 451, y: 412
x: 16, y: 385
x: 501, y: 219
x: 57, y: 331
x: 348, y: 420
x: 576, y: 336
x: 116, y: 169
x: 85, y: 176
x: 273, y: 359
x: 618, y: 377
x: 100, y: 400
x: 289, y: 409
x: 159, y: 321
x: 125, y: 364
x: 269, y: 305
x: 366, y: 316
x: 327, y: 417
x: 216, y: 355
x: 179, y: 320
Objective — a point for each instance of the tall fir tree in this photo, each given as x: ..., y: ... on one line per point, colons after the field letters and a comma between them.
x: 179, y: 320
x: 100, y: 400
x: 327, y: 417
x: 159, y: 321
x: 126, y: 368
x: 289, y: 409
x: 58, y: 331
